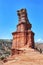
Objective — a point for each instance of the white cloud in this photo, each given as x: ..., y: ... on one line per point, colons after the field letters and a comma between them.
x: 40, y: 40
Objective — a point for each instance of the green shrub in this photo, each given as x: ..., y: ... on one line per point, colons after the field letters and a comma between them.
x: 2, y: 57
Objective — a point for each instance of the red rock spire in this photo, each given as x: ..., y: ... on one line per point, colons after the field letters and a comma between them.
x: 23, y: 19
x: 23, y: 36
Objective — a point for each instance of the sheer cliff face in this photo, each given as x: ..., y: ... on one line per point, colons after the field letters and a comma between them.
x: 23, y: 35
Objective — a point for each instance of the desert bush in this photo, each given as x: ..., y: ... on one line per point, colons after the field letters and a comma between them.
x: 2, y: 57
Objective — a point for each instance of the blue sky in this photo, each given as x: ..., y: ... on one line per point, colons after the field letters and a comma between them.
x: 9, y: 18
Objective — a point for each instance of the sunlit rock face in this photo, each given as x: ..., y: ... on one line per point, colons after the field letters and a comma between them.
x: 23, y: 37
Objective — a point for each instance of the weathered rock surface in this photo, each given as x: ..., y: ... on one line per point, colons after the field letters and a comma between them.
x: 28, y: 57
x: 23, y: 35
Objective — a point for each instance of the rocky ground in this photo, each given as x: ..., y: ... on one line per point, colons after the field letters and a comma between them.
x: 28, y: 57
x: 1, y: 62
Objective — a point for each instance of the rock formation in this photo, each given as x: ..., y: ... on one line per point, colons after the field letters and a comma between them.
x: 23, y: 41
x: 23, y: 37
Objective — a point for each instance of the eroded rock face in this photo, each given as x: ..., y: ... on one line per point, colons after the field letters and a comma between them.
x: 23, y: 37
x: 30, y: 57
